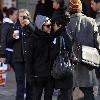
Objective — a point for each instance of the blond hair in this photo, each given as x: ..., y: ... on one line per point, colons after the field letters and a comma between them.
x: 25, y: 11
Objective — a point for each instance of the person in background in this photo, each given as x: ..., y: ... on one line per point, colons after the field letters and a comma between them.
x: 95, y: 5
x: 86, y: 6
x: 84, y: 29
x: 58, y: 6
x: 6, y: 49
x: 38, y: 59
x: 44, y: 7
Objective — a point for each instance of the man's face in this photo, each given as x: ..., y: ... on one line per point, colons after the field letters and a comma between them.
x: 94, y: 5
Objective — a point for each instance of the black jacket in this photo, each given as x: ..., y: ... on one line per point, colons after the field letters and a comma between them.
x: 57, y: 13
x: 44, y: 9
x: 66, y: 82
x: 38, y: 54
x: 19, y: 45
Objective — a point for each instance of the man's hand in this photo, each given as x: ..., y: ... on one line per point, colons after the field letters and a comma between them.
x: 2, y: 60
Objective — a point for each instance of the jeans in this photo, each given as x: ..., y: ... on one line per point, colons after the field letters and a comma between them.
x: 19, y: 69
x: 65, y: 94
x: 40, y: 84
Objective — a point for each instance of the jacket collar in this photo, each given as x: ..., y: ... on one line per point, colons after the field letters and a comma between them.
x: 76, y: 15
x: 8, y: 20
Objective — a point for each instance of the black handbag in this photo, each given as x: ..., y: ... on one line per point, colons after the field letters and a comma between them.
x: 62, y: 66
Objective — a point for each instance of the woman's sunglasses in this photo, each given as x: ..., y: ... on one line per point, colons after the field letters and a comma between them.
x: 48, y: 26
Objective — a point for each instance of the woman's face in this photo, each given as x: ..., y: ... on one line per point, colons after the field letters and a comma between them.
x: 56, y: 27
x: 21, y: 20
x: 47, y: 26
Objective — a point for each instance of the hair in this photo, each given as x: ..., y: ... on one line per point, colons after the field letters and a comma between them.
x: 62, y: 20
x: 25, y: 11
x: 61, y: 3
x: 97, y: 1
x: 10, y: 11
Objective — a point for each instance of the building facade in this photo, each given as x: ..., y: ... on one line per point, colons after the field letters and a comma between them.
x: 27, y: 4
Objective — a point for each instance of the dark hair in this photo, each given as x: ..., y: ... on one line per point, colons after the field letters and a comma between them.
x: 61, y: 2
x: 97, y: 1
x: 10, y: 11
x: 62, y: 20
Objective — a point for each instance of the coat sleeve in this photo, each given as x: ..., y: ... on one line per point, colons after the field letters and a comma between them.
x: 32, y: 29
x: 4, y: 32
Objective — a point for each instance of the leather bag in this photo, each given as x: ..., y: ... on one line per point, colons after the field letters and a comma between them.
x: 62, y: 66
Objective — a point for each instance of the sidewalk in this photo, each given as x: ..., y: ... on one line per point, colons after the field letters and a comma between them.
x: 8, y: 92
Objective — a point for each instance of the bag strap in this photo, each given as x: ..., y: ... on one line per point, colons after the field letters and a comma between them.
x: 62, y: 43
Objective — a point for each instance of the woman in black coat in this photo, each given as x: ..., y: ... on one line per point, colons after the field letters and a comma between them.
x: 19, y: 40
x: 58, y: 6
x: 64, y: 84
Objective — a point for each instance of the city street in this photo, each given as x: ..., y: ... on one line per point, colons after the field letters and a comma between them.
x: 8, y: 92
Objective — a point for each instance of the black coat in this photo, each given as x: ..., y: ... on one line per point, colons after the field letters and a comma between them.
x: 44, y: 9
x: 66, y: 82
x: 38, y: 54
x: 19, y: 45
x: 57, y: 13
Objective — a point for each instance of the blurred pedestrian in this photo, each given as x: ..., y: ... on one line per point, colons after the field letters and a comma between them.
x: 58, y: 6
x: 6, y: 50
x: 95, y: 5
x: 44, y: 7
